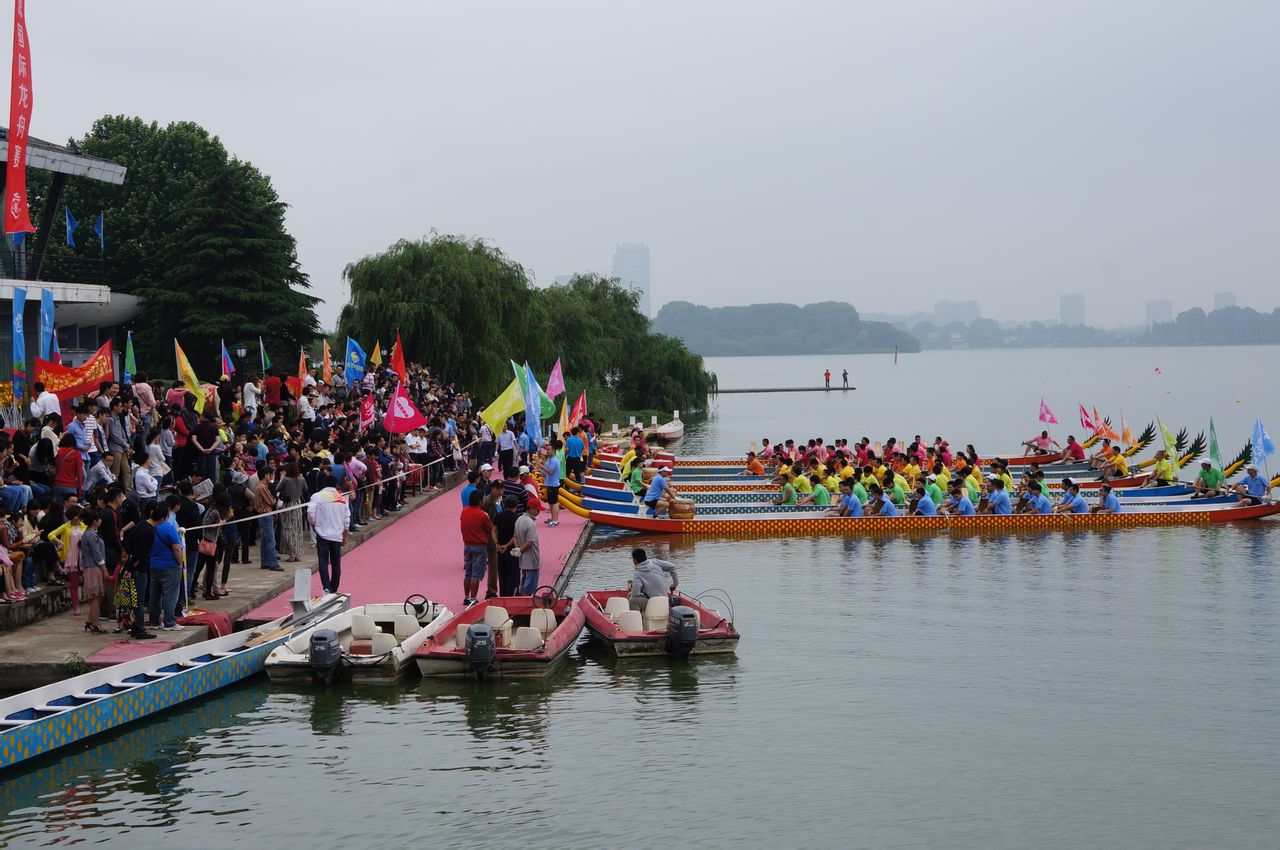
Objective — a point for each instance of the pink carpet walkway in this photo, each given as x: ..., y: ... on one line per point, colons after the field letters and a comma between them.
x: 422, y: 553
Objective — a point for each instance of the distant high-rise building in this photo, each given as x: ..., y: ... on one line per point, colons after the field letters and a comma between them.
x: 1159, y: 311
x: 1223, y: 299
x: 1071, y: 309
x: 947, y: 312
x: 631, y: 268
x: 562, y: 279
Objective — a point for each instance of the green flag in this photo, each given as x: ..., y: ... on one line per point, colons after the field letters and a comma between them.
x: 130, y: 365
x: 548, y: 406
x: 266, y: 361
x: 1215, y: 454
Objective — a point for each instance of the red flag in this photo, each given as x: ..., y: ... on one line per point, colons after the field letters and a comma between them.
x: 402, y: 417
x: 67, y: 382
x: 1086, y: 422
x: 397, y: 360
x: 296, y: 384
x: 366, y: 411
x: 579, y: 410
x: 17, y: 219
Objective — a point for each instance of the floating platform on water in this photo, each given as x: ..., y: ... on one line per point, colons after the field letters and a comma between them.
x: 723, y: 391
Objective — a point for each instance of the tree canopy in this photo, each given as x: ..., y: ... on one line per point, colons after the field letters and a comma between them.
x: 827, y: 327
x: 468, y: 309
x: 198, y: 234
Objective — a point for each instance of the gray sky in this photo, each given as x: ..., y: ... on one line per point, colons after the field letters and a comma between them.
x: 890, y: 154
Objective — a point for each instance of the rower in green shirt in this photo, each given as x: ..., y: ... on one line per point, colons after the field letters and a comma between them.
x: 818, y: 496
x: 1208, y: 482
x: 787, y: 495
x: 860, y: 492
x: 636, y: 483
x: 931, y: 487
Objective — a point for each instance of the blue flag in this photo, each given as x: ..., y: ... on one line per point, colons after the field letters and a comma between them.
x: 355, y: 361
x: 71, y: 228
x: 46, y: 322
x: 1261, y: 443
x: 102, y: 239
x: 19, y: 342
x: 532, y: 408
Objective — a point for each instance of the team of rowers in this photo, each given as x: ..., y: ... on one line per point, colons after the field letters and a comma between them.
x: 926, y: 480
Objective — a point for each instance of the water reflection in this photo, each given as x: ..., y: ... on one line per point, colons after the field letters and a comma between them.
x: 497, y: 709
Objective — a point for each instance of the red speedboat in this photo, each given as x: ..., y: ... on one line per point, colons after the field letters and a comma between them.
x: 677, y: 625
x: 504, y: 636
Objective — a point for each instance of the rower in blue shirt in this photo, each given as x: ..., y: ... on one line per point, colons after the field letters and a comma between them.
x: 880, y: 503
x: 1254, y: 488
x: 1108, y: 503
x: 924, y: 504
x: 998, y: 501
x: 1040, y: 502
x: 959, y: 502
x: 1074, y: 503
x: 847, y: 504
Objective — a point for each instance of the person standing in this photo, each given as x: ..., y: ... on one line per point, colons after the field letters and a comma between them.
x: 93, y: 563
x: 551, y: 480
x: 329, y: 517
x: 826, y: 377
x: 166, y: 570
x: 264, y: 504
x: 508, y: 556
x: 507, y: 449
x: 292, y: 492
x: 844, y: 375
x: 137, y: 569
x: 477, y: 536
x: 526, y: 542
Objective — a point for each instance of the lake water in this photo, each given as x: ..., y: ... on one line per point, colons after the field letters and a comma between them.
x: 1098, y: 689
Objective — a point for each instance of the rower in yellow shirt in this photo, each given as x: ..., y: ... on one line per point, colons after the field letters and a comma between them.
x: 910, y: 470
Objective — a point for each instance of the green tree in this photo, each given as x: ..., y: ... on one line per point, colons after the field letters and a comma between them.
x: 173, y: 240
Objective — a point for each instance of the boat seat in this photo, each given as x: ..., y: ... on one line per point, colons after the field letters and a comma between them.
x: 497, y: 616
x: 460, y: 635
x: 383, y: 643
x: 362, y: 627
x: 656, y: 612
x: 406, y: 626
x: 615, y: 605
x: 631, y: 621
x: 544, y: 620
x: 528, y: 638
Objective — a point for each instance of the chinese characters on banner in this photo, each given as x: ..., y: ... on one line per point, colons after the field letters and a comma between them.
x: 16, y: 217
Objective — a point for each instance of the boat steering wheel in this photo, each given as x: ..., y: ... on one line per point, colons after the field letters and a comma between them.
x: 417, y: 609
x: 545, y: 597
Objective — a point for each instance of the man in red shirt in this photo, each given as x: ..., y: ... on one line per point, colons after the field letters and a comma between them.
x: 477, y: 537
x: 271, y: 389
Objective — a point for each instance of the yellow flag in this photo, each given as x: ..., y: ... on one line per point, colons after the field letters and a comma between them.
x: 326, y: 365
x: 376, y: 356
x: 509, y: 403
x: 563, y: 432
x: 188, y: 376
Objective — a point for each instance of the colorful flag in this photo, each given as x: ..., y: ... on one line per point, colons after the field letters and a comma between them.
x: 508, y: 403
x: 1046, y: 415
x: 67, y: 382
x: 17, y: 217
x: 1261, y: 443
x: 1170, y: 441
x: 579, y: 410
x: 367, y: 411
x: 355, y: 361
x: 228, y: 368
x: 296, y: 384
x: 1126, y: 435
x: 1086, y: 422
x: 533, y: 407
x: 397, y: 359
x: 102, y: 236
x: 326, y: 364
x: 130, y: 364
x: 19, y: 341
x: 188, y: 376
x: 376, y: 357
x: 262, y: 352
x: 401, y: 416
x: 46, y: 322
x: 55, y: 356
x: 548, y: 406
x: 71, y: 228
x: 1215, y: 453
x: 1101, y: 426
x: 555, y: 383
x: 563, y: 428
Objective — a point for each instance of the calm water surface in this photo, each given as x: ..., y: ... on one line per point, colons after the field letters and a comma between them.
x: 1109, y: 689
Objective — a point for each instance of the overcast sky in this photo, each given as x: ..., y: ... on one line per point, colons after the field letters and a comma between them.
x: 889, y: 154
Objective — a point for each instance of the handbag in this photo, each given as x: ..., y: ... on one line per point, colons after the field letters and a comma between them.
x: 209, y: 547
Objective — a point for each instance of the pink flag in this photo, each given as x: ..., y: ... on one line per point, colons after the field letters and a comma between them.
x: 366, y: 412
x: 1086, y: 422
x: 555, y: 384
x: 1046, y: 415
x: 402, y: 417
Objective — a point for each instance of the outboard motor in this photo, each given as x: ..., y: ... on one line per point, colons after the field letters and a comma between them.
x: 325, y: 656
x: 682, y: 630
x: 481, y: 648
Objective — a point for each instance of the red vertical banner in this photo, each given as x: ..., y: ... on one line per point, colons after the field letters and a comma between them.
x: 17, y: 219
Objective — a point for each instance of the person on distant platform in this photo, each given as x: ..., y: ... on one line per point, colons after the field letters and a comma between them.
x: 650, y: 578
x: 1107, y: 501
x: 826, y: 376
x: 845, y: 377
x: 1073, y: 452
x: 1042, y: 444
x: 1162, y: 474
x: 1208, y: 482
x: 1253, y: 489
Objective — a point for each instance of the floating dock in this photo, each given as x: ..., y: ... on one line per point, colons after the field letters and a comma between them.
x: 723, y: 391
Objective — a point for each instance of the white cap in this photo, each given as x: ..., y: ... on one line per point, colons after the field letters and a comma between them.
x: 524, y: 470
x: 486, y: 467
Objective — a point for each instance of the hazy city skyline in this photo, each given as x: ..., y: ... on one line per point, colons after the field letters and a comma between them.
x: 889, y: 155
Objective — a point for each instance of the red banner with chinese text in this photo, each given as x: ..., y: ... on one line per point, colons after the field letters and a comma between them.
x: 17, y: 219
x: 67, y: 382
